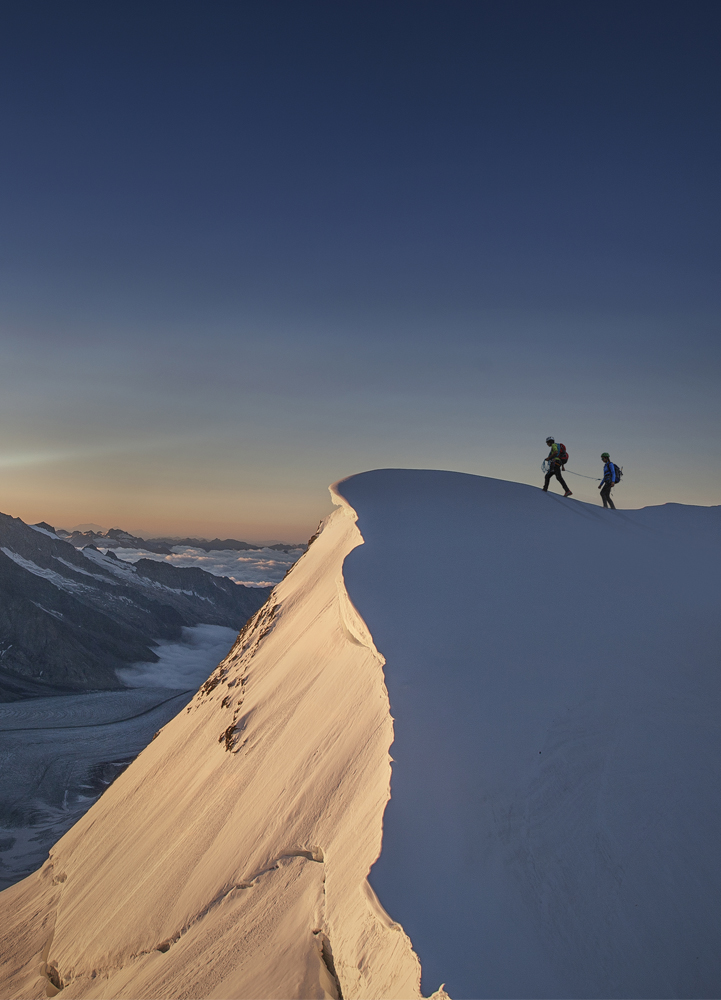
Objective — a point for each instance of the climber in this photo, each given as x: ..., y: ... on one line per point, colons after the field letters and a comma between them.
x: 610, y: 478
x: 555, y: 460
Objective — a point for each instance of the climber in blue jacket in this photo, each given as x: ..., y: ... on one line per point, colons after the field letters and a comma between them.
x: 610, y: 478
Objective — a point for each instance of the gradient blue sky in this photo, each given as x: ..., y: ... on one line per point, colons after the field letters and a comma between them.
x: 250, y: 248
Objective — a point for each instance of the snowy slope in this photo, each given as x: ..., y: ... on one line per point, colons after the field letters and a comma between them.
x: 553, y: 672
x: 553, y: 822
x: 230, y: 859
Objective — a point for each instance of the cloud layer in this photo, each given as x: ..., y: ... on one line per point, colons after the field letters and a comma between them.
x: 255, y: 568
x: 183, y: 665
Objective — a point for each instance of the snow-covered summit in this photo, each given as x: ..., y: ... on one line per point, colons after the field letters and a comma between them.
x: 553, y: 672
x: 552, y: 825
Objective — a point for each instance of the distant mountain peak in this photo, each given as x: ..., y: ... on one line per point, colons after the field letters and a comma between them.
x: 69, y: 615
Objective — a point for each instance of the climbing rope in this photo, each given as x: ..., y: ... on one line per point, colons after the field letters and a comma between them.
x: 544, y: 466
x: 594, y: 478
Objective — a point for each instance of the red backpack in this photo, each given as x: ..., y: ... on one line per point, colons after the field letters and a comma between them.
x: 562, y: 454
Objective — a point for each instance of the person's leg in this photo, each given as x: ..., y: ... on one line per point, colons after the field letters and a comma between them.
x: 611, y: 504
x: 548, y: 479
x: 561, y: 480
x: 606, y: 495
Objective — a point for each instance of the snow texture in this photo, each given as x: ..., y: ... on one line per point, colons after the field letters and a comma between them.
x: 58, y: 754
x: 554, y: 816
x: 230, y: 858
x: 553, y: 824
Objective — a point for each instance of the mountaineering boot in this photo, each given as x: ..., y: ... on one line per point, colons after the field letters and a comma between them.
x: 568, y: 493
x: 545, y: 489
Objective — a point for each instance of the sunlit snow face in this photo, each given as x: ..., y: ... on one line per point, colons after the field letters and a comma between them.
x: 254, y: 568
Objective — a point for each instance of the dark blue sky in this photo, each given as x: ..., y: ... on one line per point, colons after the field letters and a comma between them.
x: 297, y: 240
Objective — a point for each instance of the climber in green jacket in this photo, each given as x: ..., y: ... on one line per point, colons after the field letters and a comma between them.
x: 554, y: 466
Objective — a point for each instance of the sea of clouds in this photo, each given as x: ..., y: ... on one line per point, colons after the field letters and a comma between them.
x: 182, y: 665
x: 254, y: 567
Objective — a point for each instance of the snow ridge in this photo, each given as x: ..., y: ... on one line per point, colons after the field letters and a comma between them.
x: 231, y: 858
x: 556, y: 734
